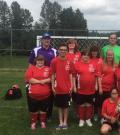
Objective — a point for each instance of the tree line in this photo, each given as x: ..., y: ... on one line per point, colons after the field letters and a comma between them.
x: 17, y: 23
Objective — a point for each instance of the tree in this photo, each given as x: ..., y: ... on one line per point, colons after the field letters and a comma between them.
x: 50, y: 15
x: 4, y: 15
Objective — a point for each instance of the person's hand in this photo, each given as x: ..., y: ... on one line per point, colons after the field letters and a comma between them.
x: 53, y: 90
x: 75, y: 89
x: 113, y: 120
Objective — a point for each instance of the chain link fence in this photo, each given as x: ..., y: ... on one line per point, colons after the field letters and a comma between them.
x: 19, y: 42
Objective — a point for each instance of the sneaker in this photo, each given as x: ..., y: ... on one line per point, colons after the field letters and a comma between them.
x: 65, y: 127
x: 89, y: 123
x: 95, y: 117
x: 33, y: 126
x: 81, y: 123
x: 43, y: 125
x: 59, y: 127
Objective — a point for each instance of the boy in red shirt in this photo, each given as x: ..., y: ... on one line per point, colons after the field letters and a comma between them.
x: 85, y: 88
x: 61, y: 70
x: 110, y: 113
x: 38, y: 77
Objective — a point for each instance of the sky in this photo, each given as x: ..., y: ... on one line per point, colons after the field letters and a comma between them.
x: 100, y: 14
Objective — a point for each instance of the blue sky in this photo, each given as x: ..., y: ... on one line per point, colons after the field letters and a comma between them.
x: 100, y: 14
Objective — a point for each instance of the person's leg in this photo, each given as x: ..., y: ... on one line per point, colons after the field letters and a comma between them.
x: 33, y: 119
x: 105, y: 129
x: 43, y: 119
x: 89, y: 114
x: 81, y: 111
x: 60, y: 115
x: 65, y: 117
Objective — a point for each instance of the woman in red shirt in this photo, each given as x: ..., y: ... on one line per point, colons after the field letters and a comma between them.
x: 86, y: 77
x: 38, y: 77
x: 73, y: 53
x: 110, y: 112
x: 107, y: 79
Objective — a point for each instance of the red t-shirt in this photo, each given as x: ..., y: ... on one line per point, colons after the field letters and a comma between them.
x: 73, y: 57
x: 86, y: 78
x: 109, y: 108
x: 107, y: 77
x: 38, y: 91
x: 117, y: 74
x: 96, y: 62
x: 62, y: 69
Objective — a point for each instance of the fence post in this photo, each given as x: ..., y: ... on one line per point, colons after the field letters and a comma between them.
x: 11, y: 46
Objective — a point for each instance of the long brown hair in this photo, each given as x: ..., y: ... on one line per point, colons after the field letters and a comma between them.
x: 73, y: 41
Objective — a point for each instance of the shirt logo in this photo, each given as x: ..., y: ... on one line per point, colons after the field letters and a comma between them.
x: 67, y: 67
x: 91, y: 68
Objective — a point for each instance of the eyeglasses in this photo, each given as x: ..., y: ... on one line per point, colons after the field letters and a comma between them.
x: 114, y: 93
x: 63, y: 49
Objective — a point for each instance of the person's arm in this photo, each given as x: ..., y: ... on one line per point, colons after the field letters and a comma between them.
x: 53, y: 83
x: 31, y: 58
x: 100, y: 85
x: 74, y: 84
x: 71, y: 81
x: 35, y: 81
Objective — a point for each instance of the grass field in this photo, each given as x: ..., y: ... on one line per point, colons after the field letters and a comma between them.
x: 14, y: 118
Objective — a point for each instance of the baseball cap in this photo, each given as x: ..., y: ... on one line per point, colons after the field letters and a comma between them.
x: 46, y: 35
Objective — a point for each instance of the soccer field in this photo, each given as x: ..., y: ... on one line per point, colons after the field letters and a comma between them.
x: 14, y: 117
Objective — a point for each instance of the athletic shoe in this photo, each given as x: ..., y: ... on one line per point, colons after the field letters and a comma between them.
x: 59, y: 127
x: 65, y: 127
x: 89, y: 123
x: 81, y: 123
x: 95, y: 117
x: 43, y: 125
x: 33, y: 126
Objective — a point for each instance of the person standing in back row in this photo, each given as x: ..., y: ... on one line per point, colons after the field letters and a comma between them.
x: 112, y: 46
x: 48, y: 52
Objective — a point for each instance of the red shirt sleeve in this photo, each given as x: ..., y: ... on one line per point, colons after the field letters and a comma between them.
x: 52, y: 67
x: 28, y: 74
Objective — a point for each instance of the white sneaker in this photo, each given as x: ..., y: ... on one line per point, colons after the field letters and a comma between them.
x: 89, y: 123
x: 81, y: 123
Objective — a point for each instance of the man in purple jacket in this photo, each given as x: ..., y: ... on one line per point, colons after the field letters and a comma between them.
x: 49, y: 53
x: 44, y: 49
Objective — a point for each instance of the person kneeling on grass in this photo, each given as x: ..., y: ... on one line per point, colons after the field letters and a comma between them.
x: 61, y: 70
x: 38, y: 77
x: 110, y: 113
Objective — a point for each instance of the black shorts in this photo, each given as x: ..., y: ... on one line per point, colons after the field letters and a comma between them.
x: 38, y: 105
x: 100, y: 98
x: 62, y: 100
x: 81, y: 99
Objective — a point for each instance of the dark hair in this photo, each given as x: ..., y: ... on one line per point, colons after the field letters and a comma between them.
x: 94, y: 48
x: 72, y: 41
x: 114, y: 89
x: 39, y: 58
x: 62, y: 44
x: 113, y: 34
x: 85, y: 52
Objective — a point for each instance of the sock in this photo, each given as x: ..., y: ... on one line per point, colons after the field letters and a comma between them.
x: 42, y: 117
x: 89, y: 112
x: 81, y: 111
x: 34, y: 117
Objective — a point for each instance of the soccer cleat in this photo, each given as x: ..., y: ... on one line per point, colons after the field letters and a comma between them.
x: 33, y: 126
x: 65, y: 127
x: 89, y: 123
x: 43, y: 125
x: 81, y: 123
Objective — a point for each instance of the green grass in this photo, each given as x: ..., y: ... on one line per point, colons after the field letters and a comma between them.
x: 14, y: 116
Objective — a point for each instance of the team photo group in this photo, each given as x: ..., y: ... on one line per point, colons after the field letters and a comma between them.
x: 86, y: 80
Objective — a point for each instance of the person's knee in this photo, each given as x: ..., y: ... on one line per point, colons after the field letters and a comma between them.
x: 104, y: 131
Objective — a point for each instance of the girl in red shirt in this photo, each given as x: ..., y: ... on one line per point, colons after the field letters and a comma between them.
x: 73, y: 53
x: 38, y: 77
x: 85, y: 88
x: 107, y: 79
x: 96, y: 61
x: 110, y: 112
